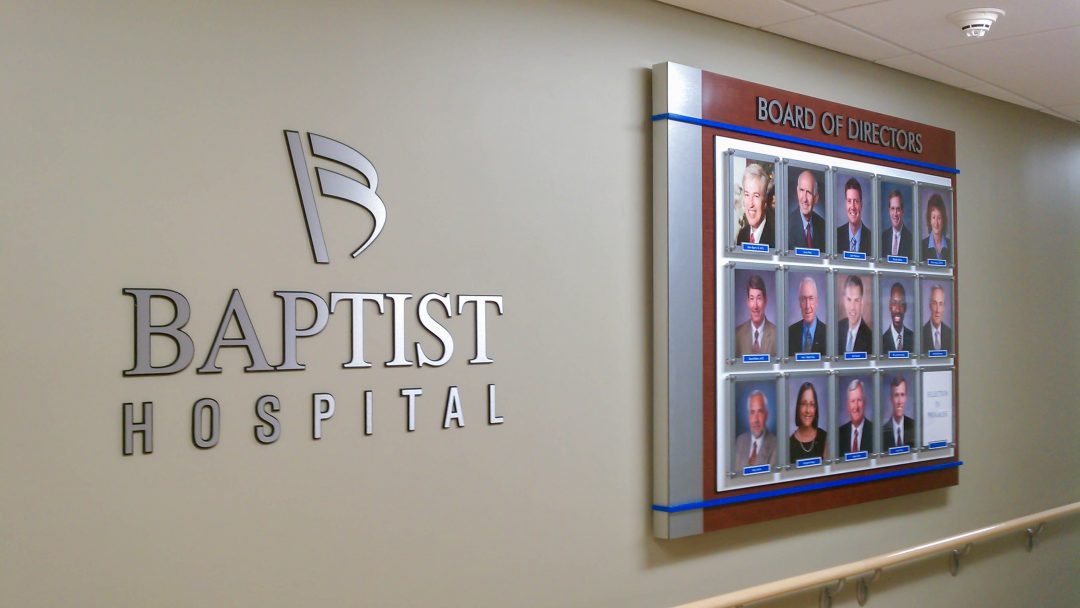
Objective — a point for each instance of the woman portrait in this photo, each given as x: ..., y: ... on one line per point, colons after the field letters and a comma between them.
x: 809, y: 440
x: 936, y: 245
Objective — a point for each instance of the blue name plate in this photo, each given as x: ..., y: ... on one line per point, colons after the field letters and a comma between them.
x: 854, y: 255
x: 900, y: 450
x: 937, y: 445
x: 899, y: 354
x: 807, y: 462
x: 808, y: 252
x: 755, y: 247
x: 856, y: 456
x: 854, y: 356
x: 936, y: 262
x: 808, y: 356
x: 755, y: 358
x: 939, y: 353
x: 761, y: 468
x: 897, y: 259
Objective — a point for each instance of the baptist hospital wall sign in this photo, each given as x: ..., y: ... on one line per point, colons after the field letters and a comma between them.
x: 236, y: 330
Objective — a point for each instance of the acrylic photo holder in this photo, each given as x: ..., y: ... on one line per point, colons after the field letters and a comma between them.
x: 936, y: 211
x: 855, y: 406
x: 938, y: 411
x: 854, y: 298
x: 754, y: 305
x: 899, y: 412
x: 897, y: 308
x: 898, y: 238
x: 755, y: 414
x: 809, y: 396
x: 807, y: 317
x: 750, y: 204
x: 854, y: 195
x: 806, y: 190
x: 937, y: 304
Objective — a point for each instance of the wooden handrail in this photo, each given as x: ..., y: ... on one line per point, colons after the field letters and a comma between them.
x: 829, y: 576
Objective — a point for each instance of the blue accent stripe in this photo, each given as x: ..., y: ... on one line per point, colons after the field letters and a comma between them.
x: 835, y: 483
x: 801, y: 140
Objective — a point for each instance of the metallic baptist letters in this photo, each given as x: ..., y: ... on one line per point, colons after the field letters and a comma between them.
x: 335, y: 185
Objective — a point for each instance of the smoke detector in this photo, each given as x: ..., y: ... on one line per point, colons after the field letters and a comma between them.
x: 976, y: 22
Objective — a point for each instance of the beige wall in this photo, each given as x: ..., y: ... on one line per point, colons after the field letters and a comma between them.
x: 143, y: 148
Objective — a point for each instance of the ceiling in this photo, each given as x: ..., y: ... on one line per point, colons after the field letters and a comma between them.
x: 1030, y: 57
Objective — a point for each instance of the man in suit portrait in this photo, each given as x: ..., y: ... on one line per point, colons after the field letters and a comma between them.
x: 855, y: 434
x: 757, y: 335
x: 806, y: 228
x: 896, y: 240
x: 854, y: 235
x: 900, y: 428
x: 807, y: 335
x: 936, y: 335
x: 853, y: 335
x: 759, y: 225
x: 758, y: 446
x: 897, y: 336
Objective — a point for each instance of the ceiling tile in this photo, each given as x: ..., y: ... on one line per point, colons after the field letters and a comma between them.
x: 1043, y: 67
x: 999, y: 93
x: 746, y: 12
x: 1030, y: 57
x: 824, y: 6
x: 927, y: 68
x: 923, y: 25
x: 917, y: 25
x: 1072, y: 111
x: 822, y: 31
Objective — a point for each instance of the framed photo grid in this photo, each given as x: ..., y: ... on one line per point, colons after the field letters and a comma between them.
x: 805, y: 304
x: 847, y: 315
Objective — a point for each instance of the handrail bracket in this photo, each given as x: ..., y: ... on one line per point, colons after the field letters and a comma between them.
x: 862, y: 591
x: 827, y: 593
x: 1032, y: 533
x: 954, y: 560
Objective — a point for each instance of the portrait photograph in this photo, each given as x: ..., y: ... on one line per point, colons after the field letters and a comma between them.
x: 854, y: 314
x: 899, y: 411
x: 937, y: 314
x: 897, y: 297
x: 754, y: 302
x: 808, y: 419
x: 753, y: 202
x: 807, y: 210
x: 935, y: 215
x: 807, y: 313
x: 853, y: 212
x: 896, y: 217
x: 855, y: 407
x: 756, y: 412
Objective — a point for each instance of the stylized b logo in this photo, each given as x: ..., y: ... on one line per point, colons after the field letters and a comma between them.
x: 335, y: 185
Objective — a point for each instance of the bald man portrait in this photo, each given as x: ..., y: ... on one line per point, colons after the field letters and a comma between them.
x: 808, y: 334
x: 806, y: 228
x: 936, y: 335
